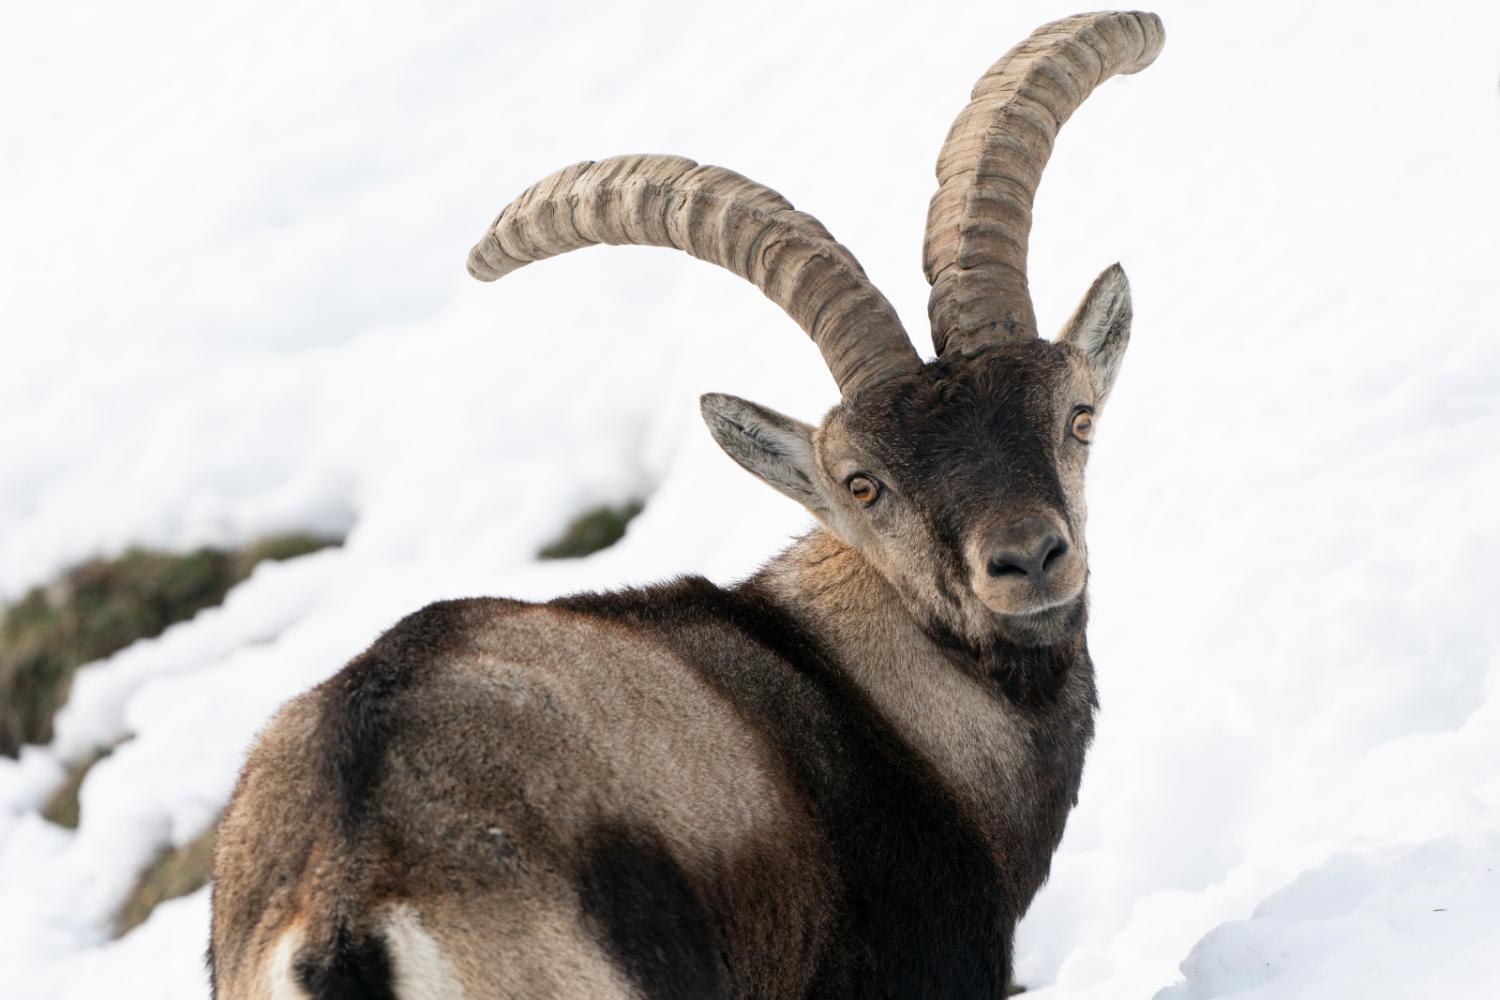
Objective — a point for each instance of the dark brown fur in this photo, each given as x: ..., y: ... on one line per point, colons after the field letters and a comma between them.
x: 909, y: 899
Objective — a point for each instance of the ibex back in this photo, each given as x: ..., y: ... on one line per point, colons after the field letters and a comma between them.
x: 842, y: 778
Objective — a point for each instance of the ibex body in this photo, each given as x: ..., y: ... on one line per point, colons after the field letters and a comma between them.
x: 844, y: 777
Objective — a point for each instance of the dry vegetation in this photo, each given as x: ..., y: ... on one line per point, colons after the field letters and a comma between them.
x: 173, y: 873
x: 62, y: 808
x: 102, y: 606
x: 591, y: 531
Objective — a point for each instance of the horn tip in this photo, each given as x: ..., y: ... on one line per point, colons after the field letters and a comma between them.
x: 1154, y: 37
x: 480, y: 268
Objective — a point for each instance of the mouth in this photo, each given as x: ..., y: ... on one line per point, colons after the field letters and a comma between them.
x: 1041, y: 612
x: 1044, y: 623
x: 1035, y: 603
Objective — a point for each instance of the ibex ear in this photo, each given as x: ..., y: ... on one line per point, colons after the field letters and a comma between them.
x: 1100, y: 326
x: 772, y: 445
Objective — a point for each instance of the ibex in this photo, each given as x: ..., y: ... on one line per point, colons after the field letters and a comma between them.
x: 844, y: 777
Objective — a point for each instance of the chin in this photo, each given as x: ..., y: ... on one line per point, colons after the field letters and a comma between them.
x: 1043, y: 626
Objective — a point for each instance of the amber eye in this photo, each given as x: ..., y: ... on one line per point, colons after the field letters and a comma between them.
x: 1083, y: 425
x: 864, y: 490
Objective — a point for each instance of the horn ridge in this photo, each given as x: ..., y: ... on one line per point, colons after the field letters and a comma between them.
x: 979, y: 220
x: 724, y: 218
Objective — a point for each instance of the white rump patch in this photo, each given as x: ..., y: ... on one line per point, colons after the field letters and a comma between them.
x: 279, y: 976
x: 421, y: 971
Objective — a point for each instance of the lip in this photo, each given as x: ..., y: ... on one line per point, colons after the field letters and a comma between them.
x: 1039, y: 611
x: 1042, y: 621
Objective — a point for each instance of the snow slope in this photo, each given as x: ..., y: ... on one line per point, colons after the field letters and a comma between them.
x: 233, y: 301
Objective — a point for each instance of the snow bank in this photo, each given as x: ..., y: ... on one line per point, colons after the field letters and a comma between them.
x: 1418, y: 921
x: 235, y: 302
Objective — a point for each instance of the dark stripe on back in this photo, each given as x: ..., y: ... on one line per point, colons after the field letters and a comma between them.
x: 922, y: 912
x: 358, y: 717
x: 648, y: 916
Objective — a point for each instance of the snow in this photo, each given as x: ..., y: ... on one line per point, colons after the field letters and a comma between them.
x: 1406, y: 921
x: 234, y: 302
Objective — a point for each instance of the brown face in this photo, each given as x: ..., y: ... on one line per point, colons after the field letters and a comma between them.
x: 960, y: 482
x: 963, y: 484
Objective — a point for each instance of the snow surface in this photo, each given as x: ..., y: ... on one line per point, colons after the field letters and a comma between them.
x: 233, y: 301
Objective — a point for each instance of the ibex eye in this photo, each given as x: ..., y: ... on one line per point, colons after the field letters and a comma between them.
x: 1083, y: 425
x: 864, y: 490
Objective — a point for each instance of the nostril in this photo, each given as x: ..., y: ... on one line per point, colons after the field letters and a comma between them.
x: 1027, y: 550
x: 999, y: 567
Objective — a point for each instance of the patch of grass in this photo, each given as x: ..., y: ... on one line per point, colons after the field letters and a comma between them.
x: 103, y: 606
x: 62, y: 807
x: 591, y: 531
x: 276, y: 548
x: 171, y: 874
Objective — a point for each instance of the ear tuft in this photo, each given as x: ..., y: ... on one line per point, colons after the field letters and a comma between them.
x: 773, y: 446
x: 1100, y: 326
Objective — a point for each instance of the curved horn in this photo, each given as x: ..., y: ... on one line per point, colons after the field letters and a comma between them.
x: 718, y: 216
x: 979, y: 220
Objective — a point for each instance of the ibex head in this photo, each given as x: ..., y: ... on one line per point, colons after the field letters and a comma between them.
x: 960, y: 480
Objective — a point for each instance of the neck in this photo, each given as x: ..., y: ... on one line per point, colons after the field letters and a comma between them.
x: 1003, y: 726
x: 835, y: 591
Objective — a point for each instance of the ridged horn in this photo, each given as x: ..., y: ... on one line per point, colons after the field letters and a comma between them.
x: 721, y: 217
x: 980, y: 219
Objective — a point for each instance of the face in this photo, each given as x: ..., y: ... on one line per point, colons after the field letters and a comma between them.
x: 963, y: 485
x: 962, y: 482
